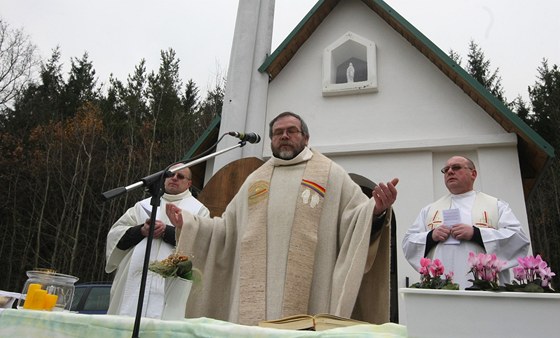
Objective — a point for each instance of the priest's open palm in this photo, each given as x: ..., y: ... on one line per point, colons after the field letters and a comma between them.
x: 384, y: 196
x: 175, y: 215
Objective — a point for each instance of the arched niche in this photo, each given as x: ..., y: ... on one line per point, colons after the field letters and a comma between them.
x: 349, y: 66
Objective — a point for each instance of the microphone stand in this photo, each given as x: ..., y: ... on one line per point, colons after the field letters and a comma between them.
x: 155, y: 184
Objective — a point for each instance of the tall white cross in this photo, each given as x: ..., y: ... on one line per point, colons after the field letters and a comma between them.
x: 244, y: 108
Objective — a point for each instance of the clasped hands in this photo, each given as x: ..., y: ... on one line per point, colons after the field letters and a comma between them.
x: 175, y: 217
x: 159, y: 229
x: 458, y: 231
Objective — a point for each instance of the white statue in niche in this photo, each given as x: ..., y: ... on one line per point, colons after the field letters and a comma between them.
x: 350, y: 73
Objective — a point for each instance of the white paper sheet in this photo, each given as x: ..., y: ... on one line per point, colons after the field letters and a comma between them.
x: 450, y: 218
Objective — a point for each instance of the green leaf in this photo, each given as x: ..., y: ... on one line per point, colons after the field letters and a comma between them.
x: 184, y: 268
x: 532, y: 287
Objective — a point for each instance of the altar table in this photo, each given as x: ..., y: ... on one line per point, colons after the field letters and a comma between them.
x: 36, y: 324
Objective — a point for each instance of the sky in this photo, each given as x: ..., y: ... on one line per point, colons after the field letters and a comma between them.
x: 515, y: 35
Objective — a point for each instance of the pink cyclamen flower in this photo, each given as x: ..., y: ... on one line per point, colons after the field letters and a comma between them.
x: 499, y: 265
x: 542, y: 265
x: 520, y: 273
x: 437, y: 268
x: 481, y: 261
x: 546, y: 275
x: 425, y: 262
x: 530, y: 262
x: 486, y: 259
x: 531, y: 269
x: 424, y: 266
x: 485, y: 266
x: 449, y: 276
x: 472, y: 260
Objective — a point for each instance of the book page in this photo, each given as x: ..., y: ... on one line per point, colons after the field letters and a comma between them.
x: 319, y: 322
x: 296, y: 322
x: 328, y: 321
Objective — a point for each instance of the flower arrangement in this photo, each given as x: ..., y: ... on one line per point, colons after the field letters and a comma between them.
x: 179, y: 277
x: 485, y: 269
x: 431, y: 273
x: 175, y: 265
x: 532, y: 275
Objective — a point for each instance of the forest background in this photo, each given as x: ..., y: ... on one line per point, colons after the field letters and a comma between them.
x: 65, y: 139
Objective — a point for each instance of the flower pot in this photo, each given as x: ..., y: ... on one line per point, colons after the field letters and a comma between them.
x: 460, y: 313
x: 177, y: 292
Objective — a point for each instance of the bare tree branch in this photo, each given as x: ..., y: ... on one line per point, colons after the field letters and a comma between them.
x: 18, y: 62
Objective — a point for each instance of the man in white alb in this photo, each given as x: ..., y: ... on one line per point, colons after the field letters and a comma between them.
x: 483, y: 224
x: 126, y: 247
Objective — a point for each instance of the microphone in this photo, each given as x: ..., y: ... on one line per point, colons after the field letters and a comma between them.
x: 248, y: 137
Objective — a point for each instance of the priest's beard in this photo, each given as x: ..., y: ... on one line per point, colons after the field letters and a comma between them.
x: 287, y: 154
x: 288, y: 150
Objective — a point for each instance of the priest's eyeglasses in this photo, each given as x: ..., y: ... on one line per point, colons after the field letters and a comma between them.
x: 179, y: 176
x: 455, y: 167
x: 290, y: 131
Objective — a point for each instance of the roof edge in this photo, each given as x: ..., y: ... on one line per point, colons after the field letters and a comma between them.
x: 293, y: 33
x: 499, y: 105
x: 215, y: 122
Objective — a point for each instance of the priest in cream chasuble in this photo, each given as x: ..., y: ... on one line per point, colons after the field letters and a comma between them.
x: 296, y: 239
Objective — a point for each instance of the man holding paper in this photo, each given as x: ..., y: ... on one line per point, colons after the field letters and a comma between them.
x: 463, y: 221
x: 126, y: 247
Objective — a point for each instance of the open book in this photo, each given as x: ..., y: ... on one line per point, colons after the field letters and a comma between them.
x: 319, y: 322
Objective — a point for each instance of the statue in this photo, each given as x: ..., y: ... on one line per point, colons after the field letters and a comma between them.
x: 350, y: 73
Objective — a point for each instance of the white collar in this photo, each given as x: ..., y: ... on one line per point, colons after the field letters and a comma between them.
x: 173, y: 198
x: 304, y: 155
x: 464, y: 195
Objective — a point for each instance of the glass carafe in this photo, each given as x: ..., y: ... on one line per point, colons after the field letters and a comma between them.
x: 47, y: 290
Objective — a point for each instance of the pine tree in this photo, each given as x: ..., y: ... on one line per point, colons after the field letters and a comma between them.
x: 479, y: 68
x: 544, y: 205
x: 81, y: 86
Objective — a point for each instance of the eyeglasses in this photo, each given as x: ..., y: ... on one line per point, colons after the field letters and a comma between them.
x: 179, y: 176
x: 455, y: 167
x: 290, y: 131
